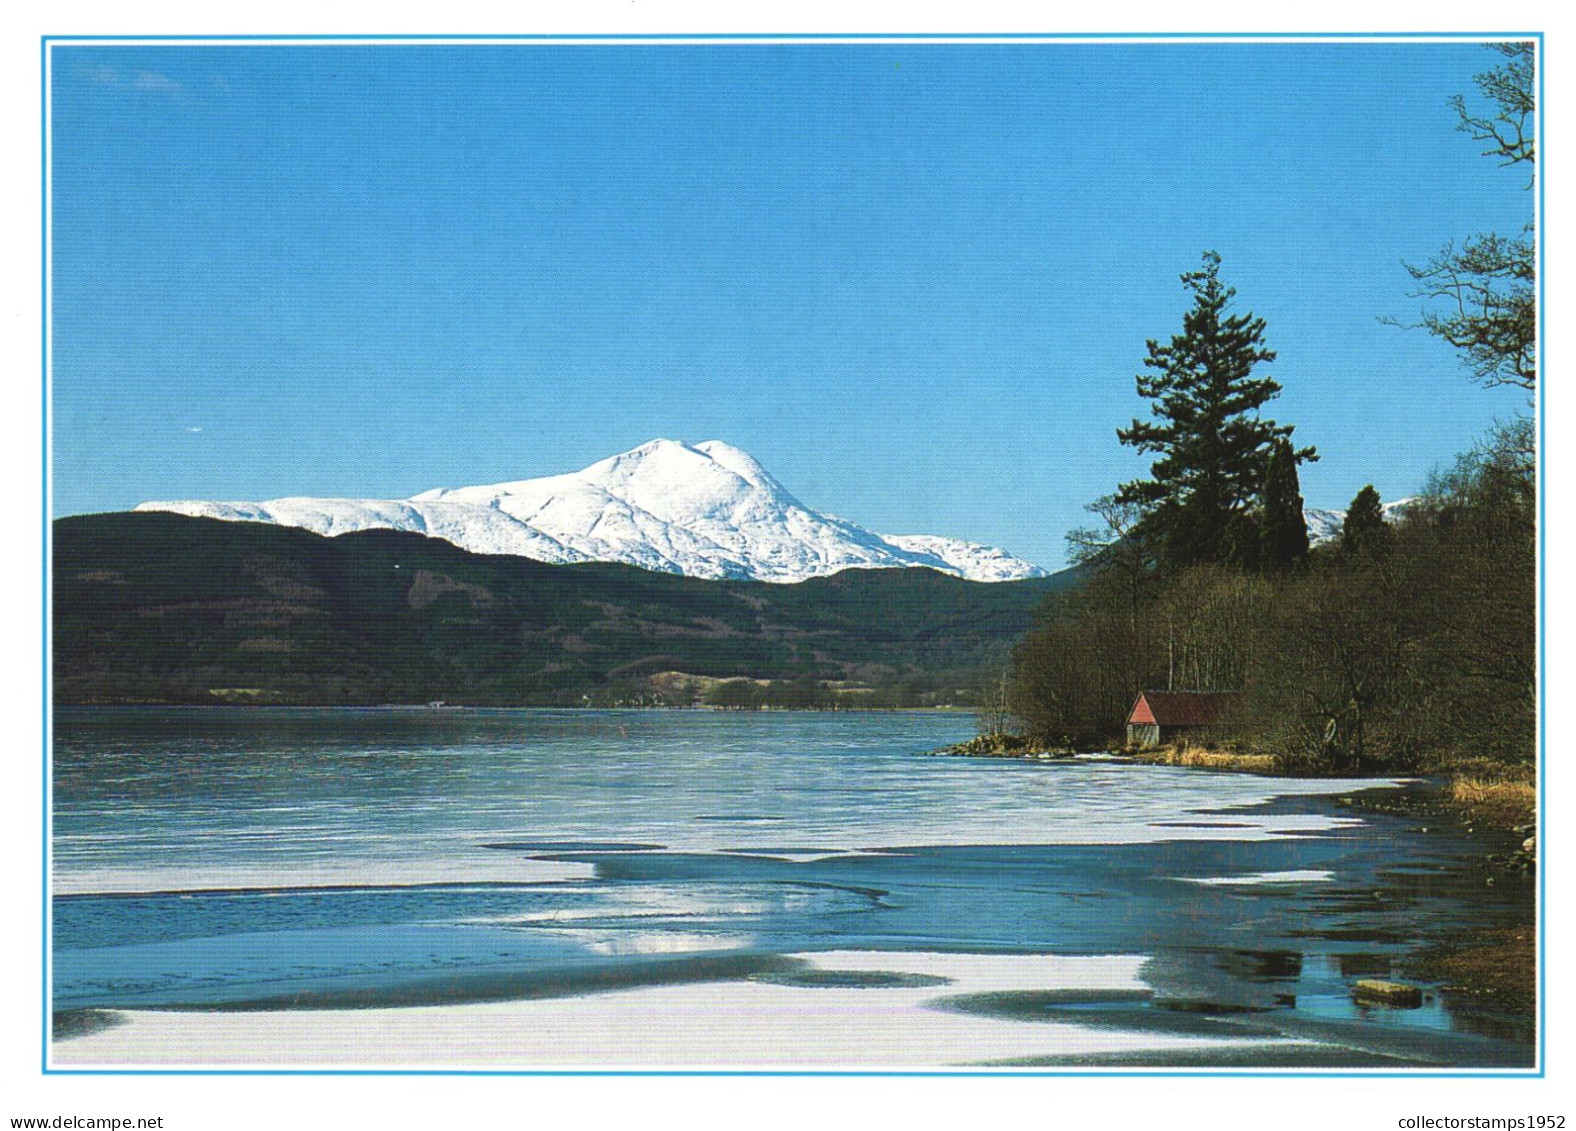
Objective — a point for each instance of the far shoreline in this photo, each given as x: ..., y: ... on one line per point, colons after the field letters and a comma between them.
x: 445, y: 707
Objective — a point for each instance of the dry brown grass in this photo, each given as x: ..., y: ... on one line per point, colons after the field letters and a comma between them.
x: 1203, y: 758
x: 1486, y: 769
x: 1508, y: 803
x: 1496, y: 792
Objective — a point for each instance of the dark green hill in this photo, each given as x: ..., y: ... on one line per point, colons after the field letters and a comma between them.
x: 162, y: 608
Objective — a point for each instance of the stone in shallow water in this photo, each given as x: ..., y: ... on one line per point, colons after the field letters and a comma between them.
x: 1401, y: 995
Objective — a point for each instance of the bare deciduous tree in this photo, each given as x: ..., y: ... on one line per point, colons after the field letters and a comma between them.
x: 1483, y: 293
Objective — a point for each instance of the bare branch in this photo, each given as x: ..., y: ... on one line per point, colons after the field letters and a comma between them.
x: 1510, y: 87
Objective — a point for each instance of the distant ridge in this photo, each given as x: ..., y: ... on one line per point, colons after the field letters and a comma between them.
x: 161, y: 608
x: 706, y: 510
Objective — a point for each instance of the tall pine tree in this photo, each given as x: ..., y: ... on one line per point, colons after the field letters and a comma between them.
x: 1213, y: 446
x: 1283, y: 531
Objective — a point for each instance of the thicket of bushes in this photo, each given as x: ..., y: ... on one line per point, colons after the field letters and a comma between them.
x: 1411, y: 647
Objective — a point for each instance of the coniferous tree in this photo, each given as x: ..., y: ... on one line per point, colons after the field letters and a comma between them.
x: 1364, y: 530
x: 1283, y: 532
x: 1211, y: 441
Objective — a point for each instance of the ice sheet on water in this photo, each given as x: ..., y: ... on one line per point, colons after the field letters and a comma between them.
x: 282, y: 873
x: 616, y: 904
x: 389, y: 798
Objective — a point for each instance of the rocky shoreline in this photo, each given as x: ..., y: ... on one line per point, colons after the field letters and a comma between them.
x: 1430, y: 804
x: 1001, y: 745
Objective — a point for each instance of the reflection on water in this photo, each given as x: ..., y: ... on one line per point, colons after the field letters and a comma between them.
x: 1274, y: 995
x: 311, y: 796
x: 1328, y: 994
x: 418, y: 856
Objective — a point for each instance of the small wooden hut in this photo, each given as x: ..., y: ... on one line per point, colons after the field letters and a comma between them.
x: 1159, y: 717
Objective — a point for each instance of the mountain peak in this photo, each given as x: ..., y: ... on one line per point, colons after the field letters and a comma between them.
x: 660, y: 446
x: 705, y: 510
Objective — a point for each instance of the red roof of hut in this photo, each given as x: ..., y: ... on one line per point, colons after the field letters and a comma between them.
x: 1180, y: 708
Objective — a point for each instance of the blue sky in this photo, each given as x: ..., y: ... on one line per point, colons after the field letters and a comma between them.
x: 914, y: 281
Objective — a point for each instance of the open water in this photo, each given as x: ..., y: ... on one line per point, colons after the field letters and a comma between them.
x: 278, y: 858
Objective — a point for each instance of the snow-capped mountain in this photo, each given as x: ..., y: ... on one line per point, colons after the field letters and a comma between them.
x: 1325, y: 525
x: 704, y: 510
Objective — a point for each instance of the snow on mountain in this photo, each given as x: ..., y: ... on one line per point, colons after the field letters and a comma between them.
x: 704, y: 510
x: 1325, y: 525
x: 966, y: 559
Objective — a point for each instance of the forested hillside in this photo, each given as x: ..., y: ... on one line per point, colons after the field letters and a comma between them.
x: 163, y: 608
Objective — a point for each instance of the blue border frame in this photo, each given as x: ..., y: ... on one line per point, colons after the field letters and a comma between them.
x: 1543, y: 582
x: 44, y: 607
x: 961, y: 38
x: 778, y: 37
